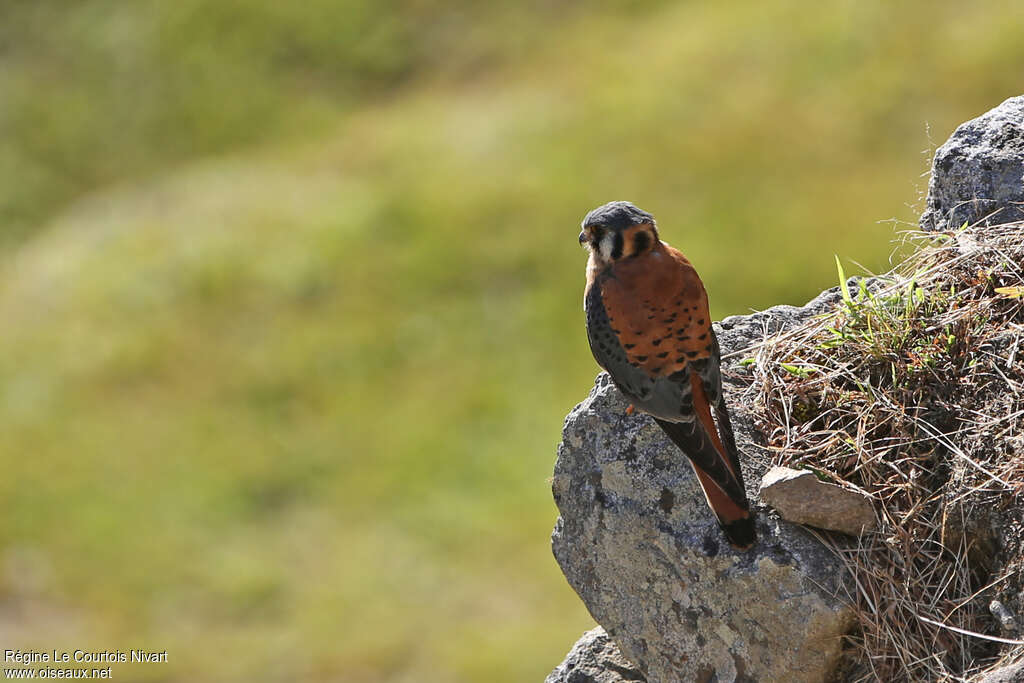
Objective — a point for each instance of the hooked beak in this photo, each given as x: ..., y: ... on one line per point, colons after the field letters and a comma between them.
x: 583, y: 236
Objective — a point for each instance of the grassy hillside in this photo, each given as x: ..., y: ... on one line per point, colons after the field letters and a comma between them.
x: 103, y: 90
x: 290, y: 324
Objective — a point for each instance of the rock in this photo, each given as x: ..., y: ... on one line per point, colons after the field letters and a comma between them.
x: 978, y: 174
x: 799, y: 496
x: 1011, y: 673
x: 1005, y: 617
x: 635, y: 538
x: 738, y: 332
x: 595, y: 659
x: 638, y: 544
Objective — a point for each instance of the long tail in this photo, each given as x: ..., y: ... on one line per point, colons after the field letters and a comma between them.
x: 717, y: 468
x: 723, y: 489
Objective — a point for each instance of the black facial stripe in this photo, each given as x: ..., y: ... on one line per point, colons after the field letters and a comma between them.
x: 641, y: 241
x: 617, y: 246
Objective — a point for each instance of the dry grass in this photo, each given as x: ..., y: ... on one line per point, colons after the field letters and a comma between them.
x: 912, y: 391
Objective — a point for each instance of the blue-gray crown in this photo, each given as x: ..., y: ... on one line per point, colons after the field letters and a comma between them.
x: 617, y: 216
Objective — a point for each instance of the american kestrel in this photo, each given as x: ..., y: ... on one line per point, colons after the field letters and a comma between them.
x: 649, y: 327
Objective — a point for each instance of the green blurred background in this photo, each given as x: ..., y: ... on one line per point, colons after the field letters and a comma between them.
x: 290, y: 294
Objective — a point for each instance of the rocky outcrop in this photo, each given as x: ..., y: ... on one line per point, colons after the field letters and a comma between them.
x: 638, y: 544
x: 978, y: 174
x: 634, y: 536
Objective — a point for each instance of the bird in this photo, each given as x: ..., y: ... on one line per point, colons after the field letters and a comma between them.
x: 649, y: 327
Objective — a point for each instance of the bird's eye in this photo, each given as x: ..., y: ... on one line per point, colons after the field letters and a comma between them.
x: 591, y: 234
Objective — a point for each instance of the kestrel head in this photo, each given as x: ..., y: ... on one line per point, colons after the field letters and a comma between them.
x: 618, y: 230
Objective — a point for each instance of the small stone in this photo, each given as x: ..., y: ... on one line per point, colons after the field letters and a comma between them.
x: 800, y: 497
x: 1004, y: 616
x: 595, y: 658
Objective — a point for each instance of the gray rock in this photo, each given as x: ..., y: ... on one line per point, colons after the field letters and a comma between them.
x: 1011, y: 673
x: 978, y: 174
x: 799, y: 496
x: 595, y: 659
x: 1007, y: 620
x: 638, y: 544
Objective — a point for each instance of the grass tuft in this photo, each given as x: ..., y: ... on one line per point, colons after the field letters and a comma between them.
x: 911, y: 391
